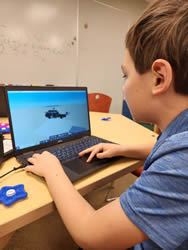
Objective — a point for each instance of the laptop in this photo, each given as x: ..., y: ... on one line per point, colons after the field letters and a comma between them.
x: 3, y: 104
x: 54, y: 119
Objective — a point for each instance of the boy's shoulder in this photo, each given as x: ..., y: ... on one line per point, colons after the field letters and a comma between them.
x: 181, y: 136
x: 172, y: 150
x: 176, y: 142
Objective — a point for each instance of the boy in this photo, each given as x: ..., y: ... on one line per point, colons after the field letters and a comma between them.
x: 153, y: 212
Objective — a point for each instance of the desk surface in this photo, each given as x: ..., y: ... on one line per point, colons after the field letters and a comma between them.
x: 39, y: 201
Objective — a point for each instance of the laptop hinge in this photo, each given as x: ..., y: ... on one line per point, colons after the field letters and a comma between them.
x: 28, y: 153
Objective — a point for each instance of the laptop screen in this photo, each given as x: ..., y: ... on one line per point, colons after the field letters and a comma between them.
x: 42, y: 116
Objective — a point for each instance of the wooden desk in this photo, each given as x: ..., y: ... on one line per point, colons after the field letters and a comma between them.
x: 39, y: 201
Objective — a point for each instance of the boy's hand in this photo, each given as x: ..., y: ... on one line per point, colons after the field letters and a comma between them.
x: 43, y: 164
x: 102, y: 150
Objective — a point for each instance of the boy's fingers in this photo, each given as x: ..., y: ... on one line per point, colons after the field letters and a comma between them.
x: 93, y: 153
x: 46, y: 153
x: 35, y: 155
x: 86, y: 151
x: 97, y: 147
x: 90, y: 157
x: 104, y: 155
x: 29, y: 168
x: 101, y: 155
x: 31, y: 159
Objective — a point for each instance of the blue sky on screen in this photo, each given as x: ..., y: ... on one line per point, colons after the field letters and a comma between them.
x: 31, y: 99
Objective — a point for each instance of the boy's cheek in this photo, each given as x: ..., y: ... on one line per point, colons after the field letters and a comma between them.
x: 124, y: 89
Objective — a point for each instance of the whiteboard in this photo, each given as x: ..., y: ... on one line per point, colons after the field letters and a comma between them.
x: 38, y: 42
x: 66, y: 42
x: 101, y: 51
x: 103, y: 25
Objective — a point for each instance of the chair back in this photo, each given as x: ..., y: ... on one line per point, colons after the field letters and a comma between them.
x: 99, y: 102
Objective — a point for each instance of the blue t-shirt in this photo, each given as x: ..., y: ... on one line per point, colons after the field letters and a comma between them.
x: 157, y: 202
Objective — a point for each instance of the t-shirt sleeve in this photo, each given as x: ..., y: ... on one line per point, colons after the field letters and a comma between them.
x: 157, y: 202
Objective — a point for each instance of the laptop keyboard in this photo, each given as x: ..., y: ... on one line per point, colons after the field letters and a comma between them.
x: 71, y: 150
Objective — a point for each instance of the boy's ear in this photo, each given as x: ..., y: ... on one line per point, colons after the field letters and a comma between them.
x: 163, y: 76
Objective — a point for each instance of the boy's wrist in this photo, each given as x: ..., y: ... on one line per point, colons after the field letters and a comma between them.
x: 140, y: 151
x: 58, y: 171
x: 134, y: 151
x: 126, y: 150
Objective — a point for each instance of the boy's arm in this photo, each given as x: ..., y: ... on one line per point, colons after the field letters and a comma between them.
x: 108, y: 227
x: 138, y: 151
x: 108, y: 150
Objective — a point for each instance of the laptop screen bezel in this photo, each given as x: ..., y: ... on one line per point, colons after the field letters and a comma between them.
x: 43, y: 88
x: 3, y: 103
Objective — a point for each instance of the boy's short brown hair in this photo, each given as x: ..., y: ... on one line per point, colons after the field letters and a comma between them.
x: 162, y: 33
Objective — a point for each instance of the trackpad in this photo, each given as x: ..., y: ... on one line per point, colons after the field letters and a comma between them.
x: 79, y: 165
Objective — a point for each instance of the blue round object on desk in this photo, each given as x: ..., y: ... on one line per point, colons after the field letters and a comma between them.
x: 4, y: 128
x: 10, y: 194
x: 106, y: 118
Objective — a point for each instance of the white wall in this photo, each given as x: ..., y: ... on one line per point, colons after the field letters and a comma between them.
x: 36, y: 41
x: 41, y: 42
x: 102, y: 45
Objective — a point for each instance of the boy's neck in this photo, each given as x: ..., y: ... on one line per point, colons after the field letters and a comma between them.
x: 170, y: 109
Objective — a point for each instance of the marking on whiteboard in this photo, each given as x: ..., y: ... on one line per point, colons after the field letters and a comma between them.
x: 109, y: 6
x: 26, y: 43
